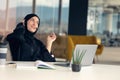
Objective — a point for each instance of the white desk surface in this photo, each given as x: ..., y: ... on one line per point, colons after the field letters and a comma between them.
x: 27, y: 71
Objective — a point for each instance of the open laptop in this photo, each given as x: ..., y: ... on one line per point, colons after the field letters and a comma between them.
x: 89, y: 55
x: 87, y: 58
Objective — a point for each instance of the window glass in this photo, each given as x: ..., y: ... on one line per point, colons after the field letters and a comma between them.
x: 48, y: 13
x: 2, y: 16
x: 64, y: 17
x: 12, y: 12
x: 23, y: 7
x: 53, y: 15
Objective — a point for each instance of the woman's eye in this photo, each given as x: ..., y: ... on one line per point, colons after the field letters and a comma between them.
x: 35, y: 21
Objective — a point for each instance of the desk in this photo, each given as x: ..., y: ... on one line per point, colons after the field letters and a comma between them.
x: 94, y: 72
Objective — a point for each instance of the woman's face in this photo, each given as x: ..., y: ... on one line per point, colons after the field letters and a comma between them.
x: 32, y: 24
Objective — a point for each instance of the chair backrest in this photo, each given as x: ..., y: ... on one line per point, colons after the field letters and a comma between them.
x: 9, y: 56
x: 75, y: 39
x: 84, y: 39
x: 59, y: 45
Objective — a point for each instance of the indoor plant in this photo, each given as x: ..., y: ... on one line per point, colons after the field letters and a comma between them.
x: 76, y: 60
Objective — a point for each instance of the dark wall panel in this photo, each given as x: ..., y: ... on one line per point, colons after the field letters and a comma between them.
x: 78, y: 17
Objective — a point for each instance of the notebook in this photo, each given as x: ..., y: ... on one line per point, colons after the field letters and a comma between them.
x: 89, y: 55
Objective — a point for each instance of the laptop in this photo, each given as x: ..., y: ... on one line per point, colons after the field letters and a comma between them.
x: 89, y: 55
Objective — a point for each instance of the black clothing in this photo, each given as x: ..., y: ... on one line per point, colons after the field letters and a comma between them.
x: 25, y: 47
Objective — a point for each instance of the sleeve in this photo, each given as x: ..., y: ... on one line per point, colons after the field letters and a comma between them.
x: 46, y: 56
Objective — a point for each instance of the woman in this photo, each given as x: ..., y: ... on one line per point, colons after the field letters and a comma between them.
x: 25, y: 47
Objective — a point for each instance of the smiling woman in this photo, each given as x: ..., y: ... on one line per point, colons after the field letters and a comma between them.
x: 24, y: 46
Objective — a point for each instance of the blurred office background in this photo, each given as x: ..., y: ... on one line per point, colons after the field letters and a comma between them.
x: 103, y: 18
x: 104, y: 21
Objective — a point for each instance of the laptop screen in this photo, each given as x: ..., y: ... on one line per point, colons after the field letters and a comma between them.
x: 89, y: 55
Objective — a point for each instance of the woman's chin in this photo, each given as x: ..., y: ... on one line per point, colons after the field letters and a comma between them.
x: 32, y: 31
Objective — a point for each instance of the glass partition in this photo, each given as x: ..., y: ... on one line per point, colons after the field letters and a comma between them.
x: 103, y: 21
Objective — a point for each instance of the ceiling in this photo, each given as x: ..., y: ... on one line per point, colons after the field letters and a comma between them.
x: 108, y: 5
x: 104, y: 2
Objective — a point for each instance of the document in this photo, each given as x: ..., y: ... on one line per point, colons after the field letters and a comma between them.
x: 43, y: 65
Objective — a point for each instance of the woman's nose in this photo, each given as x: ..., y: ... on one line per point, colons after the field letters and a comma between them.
x: 35, y: 25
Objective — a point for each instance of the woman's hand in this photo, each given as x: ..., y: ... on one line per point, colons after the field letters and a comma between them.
x: 50, y: 39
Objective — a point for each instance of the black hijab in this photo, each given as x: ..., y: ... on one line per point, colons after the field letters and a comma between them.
x: 26, y: 18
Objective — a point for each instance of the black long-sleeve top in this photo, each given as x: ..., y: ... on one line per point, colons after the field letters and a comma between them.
x: 25, y: 47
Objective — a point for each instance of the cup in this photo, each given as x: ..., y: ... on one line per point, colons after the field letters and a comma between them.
x: 3, y: 53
